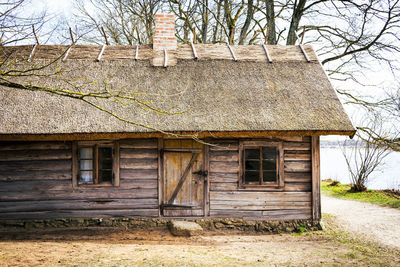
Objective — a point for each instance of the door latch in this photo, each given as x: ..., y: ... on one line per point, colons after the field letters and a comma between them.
x: 202, y: 173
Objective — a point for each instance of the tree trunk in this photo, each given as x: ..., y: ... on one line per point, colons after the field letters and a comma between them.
x: 298, y: 9
x: 249, y: 17
x: 270, y: 10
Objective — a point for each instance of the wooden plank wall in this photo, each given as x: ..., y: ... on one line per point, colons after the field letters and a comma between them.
x: 36, y: 182
x: 293, y: 202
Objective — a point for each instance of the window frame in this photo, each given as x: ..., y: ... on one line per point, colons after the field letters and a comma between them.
x: 114, y: 145
x: 280, y: 181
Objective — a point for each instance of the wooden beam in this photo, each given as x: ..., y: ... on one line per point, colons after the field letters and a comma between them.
x: 201, y: 134
x: 137, y: 52
x: 304, y: 53
x: 160, y: 171
x: 232, y: 53
x: 116, y: 163
x: 67, y: 53
x: 33, y: 52
x: 194, y: 51
x: 316, y: 183
x: 206, y: 165
x: 165, y: 58
x: 74, y: 164
x: 267, y: 53
x: 101, y: 53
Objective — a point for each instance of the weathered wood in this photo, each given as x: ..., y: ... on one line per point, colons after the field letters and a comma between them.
x: 116, y: 165
x: 224, y: 145
x: 74, y: 167
x: 136, y: 164
x: 134, y: 174
x: 84, y: 193
x: 23, y: 145
x: 316, y: 187
x: 20, y: 175
x: 138, y: 143
x: 297, y: 166
x: 297, y: 155
x: 160, y: 170
x: 298, y: 177
x: 296, y: 146
x: 177, y: 165
x: 183, y: 178
x: 35, y: 165
x: 223, y: 177
x: 224, y: 186
x: 220, y: 166
x: 207, y: 188
x: 94, y: 204
x: 20, y: 155
x: 35, y: 185
x: 80, y: 214
x: 138, y: 153
x: 228, y: 156
x: 260, y: 196
x: 297, y: 187
x: 282, y: 205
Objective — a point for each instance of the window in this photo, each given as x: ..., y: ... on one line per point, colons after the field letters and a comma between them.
x: 96, y: 164
x: 262, y: 164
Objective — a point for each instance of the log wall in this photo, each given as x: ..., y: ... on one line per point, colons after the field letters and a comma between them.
x: 36, y: 182
x: 291, y: 202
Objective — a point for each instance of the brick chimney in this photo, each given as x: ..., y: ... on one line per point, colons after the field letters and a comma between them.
x: 164, y: 37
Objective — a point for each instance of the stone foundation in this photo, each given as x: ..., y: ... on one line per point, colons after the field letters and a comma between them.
x: 148, y: 223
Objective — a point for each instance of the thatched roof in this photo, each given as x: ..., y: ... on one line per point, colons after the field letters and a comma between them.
x: 215, y: 92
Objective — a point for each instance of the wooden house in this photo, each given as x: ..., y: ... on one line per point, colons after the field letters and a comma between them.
x: 258, y: 110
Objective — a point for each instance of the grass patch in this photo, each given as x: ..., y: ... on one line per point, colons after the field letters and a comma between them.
x: 384, y: 198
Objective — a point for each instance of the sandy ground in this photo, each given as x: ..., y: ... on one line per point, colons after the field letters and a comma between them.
x: 374, y: 222
x: 128, y: 247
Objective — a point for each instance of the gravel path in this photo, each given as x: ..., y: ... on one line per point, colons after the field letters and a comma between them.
x: 374, y: 222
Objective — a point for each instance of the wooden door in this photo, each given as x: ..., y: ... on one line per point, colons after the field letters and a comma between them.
x: 183, y: 178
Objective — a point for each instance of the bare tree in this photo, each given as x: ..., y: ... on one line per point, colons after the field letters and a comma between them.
x: 364, y: 156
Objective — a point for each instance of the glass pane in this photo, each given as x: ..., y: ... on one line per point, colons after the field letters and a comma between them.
x: 252, y: 165
x: 269, y: 176
x: 86, y: 152
x: 252, y: 177
x: 269, y: 165
x: 105, y: 152
x: 105, y: 175
x: 86, y: 176
x: 105, y: 164
x: 252, y: 154
x: 86, y: 164
x: 269, y: 153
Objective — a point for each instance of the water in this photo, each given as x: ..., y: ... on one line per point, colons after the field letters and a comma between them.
x: 387, y: 176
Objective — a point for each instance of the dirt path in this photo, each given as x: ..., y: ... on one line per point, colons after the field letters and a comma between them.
x: 376, y: 223
x: 130, y: 247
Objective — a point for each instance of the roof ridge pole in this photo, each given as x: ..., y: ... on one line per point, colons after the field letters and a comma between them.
x: 69, y: 48
x: 67, y: 53
x: 301, y: 46
x: 35, y: 46
x: 165, y: 58
x: 267, y: 53
x: 137, y: 52
x: 32, y: 52
x: 194, y: 51
x: 101, y: 53
x: 232, y: 53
